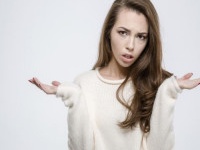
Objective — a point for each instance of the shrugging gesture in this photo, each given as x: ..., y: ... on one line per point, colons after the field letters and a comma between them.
x: 108, y: 112
x: 184, y: 83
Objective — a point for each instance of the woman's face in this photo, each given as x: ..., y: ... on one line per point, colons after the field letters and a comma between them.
x: 128, y: 37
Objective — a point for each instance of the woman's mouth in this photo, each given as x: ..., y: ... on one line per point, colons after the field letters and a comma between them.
x: 127, y: 58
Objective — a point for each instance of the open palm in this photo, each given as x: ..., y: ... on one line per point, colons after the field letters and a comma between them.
x: 186, y: 83
x: 48, y: 89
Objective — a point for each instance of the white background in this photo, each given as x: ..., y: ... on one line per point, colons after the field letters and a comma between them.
x: 59, y: 40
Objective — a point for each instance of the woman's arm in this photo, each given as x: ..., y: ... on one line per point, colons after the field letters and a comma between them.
x: 69, y: 92
x: 161, y: 135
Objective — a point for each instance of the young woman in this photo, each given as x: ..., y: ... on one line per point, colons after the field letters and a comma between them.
x: 126, y: 101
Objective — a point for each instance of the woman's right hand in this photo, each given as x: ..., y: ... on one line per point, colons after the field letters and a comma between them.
x: 48, y: 89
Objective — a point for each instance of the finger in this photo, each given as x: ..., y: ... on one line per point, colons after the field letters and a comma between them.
x: 193, y: 83
x: 31, y: 80
x: 55, y: 83
x: 36, y: 81
x: 187, y: 76
x: 197, y: 81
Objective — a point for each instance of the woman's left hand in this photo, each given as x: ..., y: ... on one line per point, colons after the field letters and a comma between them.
x: 186, y: 83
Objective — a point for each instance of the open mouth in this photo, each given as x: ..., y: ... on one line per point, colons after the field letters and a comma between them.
x: 128, y: 56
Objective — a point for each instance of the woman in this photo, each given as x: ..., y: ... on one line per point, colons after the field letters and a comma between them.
x: 126, y: 101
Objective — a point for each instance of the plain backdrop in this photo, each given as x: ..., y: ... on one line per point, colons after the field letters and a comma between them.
x: 57, y: 40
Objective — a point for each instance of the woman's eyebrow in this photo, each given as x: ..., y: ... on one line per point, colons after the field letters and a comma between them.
x: 127, y: 30
x: 143, y: 33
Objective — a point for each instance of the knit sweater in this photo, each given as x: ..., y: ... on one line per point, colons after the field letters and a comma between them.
x: 94, y: 114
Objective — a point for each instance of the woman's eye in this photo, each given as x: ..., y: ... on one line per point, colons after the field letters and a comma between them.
x: 123, y: 33
x: 142, y: 37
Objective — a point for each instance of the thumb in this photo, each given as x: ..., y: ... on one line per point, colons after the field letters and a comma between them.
x: 187, y: 76
x: 55, y: 83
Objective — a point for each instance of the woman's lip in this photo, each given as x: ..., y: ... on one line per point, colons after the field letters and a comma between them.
x: 127, y: 58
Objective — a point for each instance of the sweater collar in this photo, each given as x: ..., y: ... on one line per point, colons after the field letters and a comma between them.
x: 108, y: 81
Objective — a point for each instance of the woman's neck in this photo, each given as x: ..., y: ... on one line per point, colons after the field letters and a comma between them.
x: 113, y: 71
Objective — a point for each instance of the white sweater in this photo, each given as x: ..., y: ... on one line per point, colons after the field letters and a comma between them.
x: 94, y: 113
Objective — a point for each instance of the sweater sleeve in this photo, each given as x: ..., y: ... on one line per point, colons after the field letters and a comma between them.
x: 161, y: 135
x: 69, y: 92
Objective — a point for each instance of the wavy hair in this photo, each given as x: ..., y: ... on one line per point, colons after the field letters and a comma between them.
x: 146, y: 72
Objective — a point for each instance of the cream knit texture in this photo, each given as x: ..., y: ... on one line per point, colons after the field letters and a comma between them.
x: 94, y: 114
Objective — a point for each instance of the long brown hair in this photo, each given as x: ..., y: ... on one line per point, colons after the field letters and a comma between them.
x: 146, y: 72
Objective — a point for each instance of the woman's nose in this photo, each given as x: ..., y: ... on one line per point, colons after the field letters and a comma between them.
x: 131, y: 44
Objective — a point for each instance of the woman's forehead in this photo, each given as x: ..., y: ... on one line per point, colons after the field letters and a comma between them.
x: 131, y: 19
